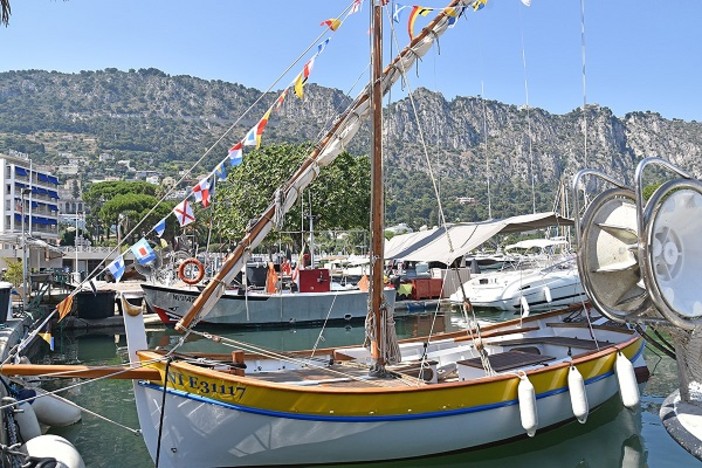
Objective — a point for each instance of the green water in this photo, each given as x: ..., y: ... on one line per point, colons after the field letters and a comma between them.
x: 612, y: 437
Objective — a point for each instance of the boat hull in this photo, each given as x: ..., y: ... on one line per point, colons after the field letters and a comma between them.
x: 171, y: 304
x: 564, y: 289
x: 254, y: 423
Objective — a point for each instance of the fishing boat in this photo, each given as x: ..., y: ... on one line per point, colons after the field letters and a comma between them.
x: 387, y: 400
x: 639, y: 261
x: 241, y: 307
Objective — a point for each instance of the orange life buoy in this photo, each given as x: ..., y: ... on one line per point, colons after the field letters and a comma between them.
x: 196, y: 264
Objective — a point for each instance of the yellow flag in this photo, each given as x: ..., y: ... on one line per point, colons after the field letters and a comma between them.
x: 64, y: 307
x: 46, y: 336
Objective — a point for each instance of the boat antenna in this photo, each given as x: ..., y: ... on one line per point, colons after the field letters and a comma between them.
x: 485, y: 147
x: 582, y: 47
x: 532, y: 175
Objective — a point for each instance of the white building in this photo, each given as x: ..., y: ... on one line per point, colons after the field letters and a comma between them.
x: 30, y: 207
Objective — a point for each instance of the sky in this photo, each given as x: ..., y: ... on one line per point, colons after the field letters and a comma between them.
x: 640, y: 55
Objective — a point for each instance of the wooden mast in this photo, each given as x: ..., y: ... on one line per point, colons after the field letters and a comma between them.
x: 377, y: 254
x: 331, y: 144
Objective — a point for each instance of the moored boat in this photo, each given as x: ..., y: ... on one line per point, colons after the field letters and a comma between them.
x: 386, y: 400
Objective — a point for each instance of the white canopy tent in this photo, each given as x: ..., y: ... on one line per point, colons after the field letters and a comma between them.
x: 434, y: 246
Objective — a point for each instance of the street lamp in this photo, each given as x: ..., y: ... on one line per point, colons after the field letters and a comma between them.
x: 25, y: 290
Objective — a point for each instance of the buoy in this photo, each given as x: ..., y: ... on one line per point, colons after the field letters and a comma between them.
x: 54, y: 411
x: 547, y: 294
x: 578, y: 396
x: 56, y: 447
x: 527, y: 405
x: 27, y: 421
x: 628, y: 388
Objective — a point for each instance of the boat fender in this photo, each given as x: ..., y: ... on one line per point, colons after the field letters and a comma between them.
x: 628, y: 388
x: 53, y: 411
x: 547, y: 294
x: 27, y: 421
x: 527, y: 405
x: 525, y: 306
x: 578, y: 396
x: 200, y: 271
x: 56, y: 447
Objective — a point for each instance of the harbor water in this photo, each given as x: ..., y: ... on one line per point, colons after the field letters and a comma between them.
x: 613, y: 436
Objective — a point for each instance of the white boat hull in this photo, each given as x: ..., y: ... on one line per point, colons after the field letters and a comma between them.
x: 542, y: 291
x: 263, y: 309
x: 256, y: 438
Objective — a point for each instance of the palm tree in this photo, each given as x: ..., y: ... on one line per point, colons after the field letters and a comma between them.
x: 5, y: 11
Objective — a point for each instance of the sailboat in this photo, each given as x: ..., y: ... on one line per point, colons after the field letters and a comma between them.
x: 383, y: 401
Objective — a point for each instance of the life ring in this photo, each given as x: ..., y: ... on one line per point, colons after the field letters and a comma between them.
x: 195, y: 263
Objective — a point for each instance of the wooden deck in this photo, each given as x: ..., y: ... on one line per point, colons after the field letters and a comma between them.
x: 579, y: 343
x: 336, y: 375
x: 508, y: 360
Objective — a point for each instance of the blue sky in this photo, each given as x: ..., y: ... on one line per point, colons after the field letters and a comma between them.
x: 640, y: 55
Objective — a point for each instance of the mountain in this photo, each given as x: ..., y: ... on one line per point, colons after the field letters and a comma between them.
x: 158, y: 121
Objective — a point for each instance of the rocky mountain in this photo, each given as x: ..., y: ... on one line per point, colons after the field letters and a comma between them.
x: 163, y: 122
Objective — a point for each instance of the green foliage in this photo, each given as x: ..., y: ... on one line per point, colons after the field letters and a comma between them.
x: 14, y: 271
x: 649, y: 189
x: 340, y: 196
x: 126, y: 203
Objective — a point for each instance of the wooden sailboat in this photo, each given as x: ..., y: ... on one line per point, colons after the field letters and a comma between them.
x: 388, y: 400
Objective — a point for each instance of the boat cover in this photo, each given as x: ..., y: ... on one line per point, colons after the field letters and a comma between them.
x: 433, y: 245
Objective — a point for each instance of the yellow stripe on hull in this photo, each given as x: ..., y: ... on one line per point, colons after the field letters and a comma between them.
x: 370, y: 400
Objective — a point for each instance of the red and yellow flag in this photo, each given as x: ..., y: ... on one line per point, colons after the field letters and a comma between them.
x: 302, y: 77
x: 333, y: 23
x: 261, y: 126
x: 416, y: 11
x: 64, y: 307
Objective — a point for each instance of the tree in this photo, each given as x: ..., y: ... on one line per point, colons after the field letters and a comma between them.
x: 126, y: 202
x: 340, y: 195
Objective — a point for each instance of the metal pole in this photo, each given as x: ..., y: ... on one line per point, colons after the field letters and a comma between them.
x: 25, y: 288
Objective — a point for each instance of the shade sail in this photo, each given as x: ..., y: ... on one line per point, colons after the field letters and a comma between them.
x: 446, y: 244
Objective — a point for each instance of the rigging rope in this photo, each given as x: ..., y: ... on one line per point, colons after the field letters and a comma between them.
x: 403, y: 72
x: 532, y: 176
x: 263, y: 352
x: 582, y: 42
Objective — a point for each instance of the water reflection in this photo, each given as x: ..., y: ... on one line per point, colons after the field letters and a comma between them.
x: 611, y: 438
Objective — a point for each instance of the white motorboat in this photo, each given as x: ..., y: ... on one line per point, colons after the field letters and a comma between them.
x: 555, y: 283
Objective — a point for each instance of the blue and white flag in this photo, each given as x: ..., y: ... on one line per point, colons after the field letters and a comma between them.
x: 250, y: 138
x: 116, y: 268
x: 160, y: 227
x: 221, y: 171
x: 143, y: 252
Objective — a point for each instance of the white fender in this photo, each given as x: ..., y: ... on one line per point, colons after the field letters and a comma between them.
x: 27, y: 421
x: 578, y: 396
x: 525, y: 306
x: 628, y: 388
x: 527, y: 405
x: 56, y: 447
x: 547, y: 294
x: 54, y: 411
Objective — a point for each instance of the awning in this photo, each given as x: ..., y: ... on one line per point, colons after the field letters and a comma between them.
x: 434, y: 246
x: 32, y: 243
